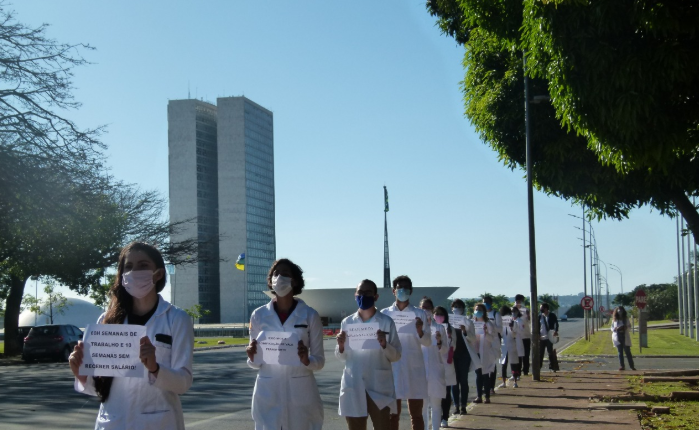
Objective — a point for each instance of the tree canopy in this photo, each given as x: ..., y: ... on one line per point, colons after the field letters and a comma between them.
x: 620, y: 129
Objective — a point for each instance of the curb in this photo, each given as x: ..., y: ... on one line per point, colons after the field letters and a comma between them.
x: 634, y: 357
x: 208, y: 348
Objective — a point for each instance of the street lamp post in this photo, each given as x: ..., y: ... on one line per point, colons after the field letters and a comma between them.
x: 679, y: 280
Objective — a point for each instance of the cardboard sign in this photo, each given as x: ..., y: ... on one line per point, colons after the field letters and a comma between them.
x: 363, y: 336
x: 479, y: 326
x: 405, y: 321
x: 506, y: 320
x: 457, y: 320
x: 278, y: 347
x: 113, y: 350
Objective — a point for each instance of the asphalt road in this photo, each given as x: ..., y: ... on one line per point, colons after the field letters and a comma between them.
x: 42, y: 396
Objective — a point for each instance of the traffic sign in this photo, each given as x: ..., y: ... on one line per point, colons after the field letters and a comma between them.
x: 640, y: 299
x: 587, y: 303
x: 601, y: 308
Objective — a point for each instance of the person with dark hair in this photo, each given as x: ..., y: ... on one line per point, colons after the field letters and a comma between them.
x: 409, y: 372
x: 367, y: 382
x: 496, y: 319
x: 510, y: 348
x: 287, y: 396
x: 621, y: 336
x: 486, y: 335
x: 466, y: 358
x: 548, y: 323
x: 434, y: 367
x: 150, y: 402
x: 447, y: 354
x: 525, y: 333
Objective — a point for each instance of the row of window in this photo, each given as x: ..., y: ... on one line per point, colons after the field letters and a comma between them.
x: 267, y: 246
x: 207, y: 177
x: 252, y: 159
x: 257, y: 195
x: 263, y: 156
x: 260, y: 253
x: 254, y: 269
x: 263, y: 143
x: 260, y: 171
x: 259, y: 186
x: 252, y: 210
x: 260, y: 228
x: 260, y: 204
x: 262, y: 237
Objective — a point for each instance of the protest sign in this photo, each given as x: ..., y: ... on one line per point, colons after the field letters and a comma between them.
x: 113, y: 350
x: 457, y: 320
x: 506, y: 320
x: 362, y: 336
x: 405, y: 321
x: 479, y: 326
x: 278, y: 347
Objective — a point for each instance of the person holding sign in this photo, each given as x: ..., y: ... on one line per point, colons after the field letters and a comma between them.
x: 621, y: 336
x: 525, y: 333
x: 409, y: 372
x: 548, y: 323
x: 286, y: 394
x: 367, y: 382
x: 434, y: 367
x: 510, y: 347
x: 466, y: 358
x: 151, y: 399
x: 496, y: 319
x: 486, y: 335
x: 447, y: 352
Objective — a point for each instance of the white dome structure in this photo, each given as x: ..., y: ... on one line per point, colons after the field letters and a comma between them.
x: 78, y: 312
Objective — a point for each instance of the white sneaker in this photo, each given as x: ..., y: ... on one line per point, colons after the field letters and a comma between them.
x: 445, y: 424
x: 503, y: 385
x: 511, y: 378
x: 515, y: 386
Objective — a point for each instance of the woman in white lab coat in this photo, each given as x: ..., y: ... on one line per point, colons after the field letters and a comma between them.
x: 486, y: 352
x: 150, y: 402
x: 441, y: 317
x: 286, y: 396
x: 509, y: 351
x: 434, y: 368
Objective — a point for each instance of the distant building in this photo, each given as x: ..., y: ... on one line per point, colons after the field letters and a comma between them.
x: 77, y: 312
x: 221, y: 164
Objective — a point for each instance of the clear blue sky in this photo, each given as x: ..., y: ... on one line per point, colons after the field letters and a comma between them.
x: 364, y: 94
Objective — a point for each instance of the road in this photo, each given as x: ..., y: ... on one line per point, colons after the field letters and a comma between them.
x: 42, y: 396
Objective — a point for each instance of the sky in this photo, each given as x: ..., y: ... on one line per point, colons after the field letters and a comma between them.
x: 364, y: 94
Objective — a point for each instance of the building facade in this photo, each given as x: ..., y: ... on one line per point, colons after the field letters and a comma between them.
x: 222, y: 176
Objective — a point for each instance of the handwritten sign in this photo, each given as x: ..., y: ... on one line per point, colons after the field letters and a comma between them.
x: 405, y: 321
x: 506, y: 320
x: 113, y: 350
x: 278, y: 347
x: 363, y: 336
x: 457, y: 320
x: 479, y: 326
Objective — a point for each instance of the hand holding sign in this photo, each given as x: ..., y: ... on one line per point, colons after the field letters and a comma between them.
x: 363, y: 336
x: 279, y: 347
x: 114, y: 350
x: 147, y: 355
x: 303, y: 353
x: 381, y: 337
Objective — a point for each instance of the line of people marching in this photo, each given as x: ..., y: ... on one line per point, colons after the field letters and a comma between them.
x: 426, y: 361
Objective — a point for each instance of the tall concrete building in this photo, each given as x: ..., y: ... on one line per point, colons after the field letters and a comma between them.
x: 221, y: 163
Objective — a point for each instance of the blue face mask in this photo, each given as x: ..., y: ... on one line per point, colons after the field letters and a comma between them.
x: 402, y: 295
x: 365, y: 302
x: 478, y: 314
x: 488, y: 306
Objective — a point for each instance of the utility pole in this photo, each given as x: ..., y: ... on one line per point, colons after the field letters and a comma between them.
x: 386, y: 264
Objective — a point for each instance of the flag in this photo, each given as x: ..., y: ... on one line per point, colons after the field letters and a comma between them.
x: 385, y: 194
x: 240, y: 262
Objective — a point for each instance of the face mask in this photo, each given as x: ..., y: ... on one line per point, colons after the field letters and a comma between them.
x: 478, y: 314
x: 365, y: 302
x: 281, y: 285
x: 458, y: 311
x: 439, y: 319
x: 138, y: 283
x: 402, y: 295
x: 428, y: 314
x: 488, y: 306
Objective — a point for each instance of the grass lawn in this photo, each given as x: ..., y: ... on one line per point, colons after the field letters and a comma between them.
x: 213, y: 341
x: 660, y: 342
x: 2, y: 347
x: 683, y: 414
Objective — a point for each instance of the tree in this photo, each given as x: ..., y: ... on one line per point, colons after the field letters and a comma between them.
x: 616, y: 91
x: 54, y: 303
x: 576, y: 311
x: 623, y: 300
x: 498, y: 301
x: 552, y: 302
x: 100, y: 291
x: 196, y: 312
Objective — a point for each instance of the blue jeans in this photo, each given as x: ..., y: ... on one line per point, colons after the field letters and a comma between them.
x: 621, y: 348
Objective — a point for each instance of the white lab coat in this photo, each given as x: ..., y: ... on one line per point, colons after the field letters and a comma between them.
x: 627, y: 334
x: 152, y: 402
x: 449, y: 342
x: 409, y: 371
x: 526, y: 332
x: 489, y: 348
x: 509, y: 344
x: 434, y: 366
x: 522, y: 328
x: 288, y: 395
x: 368, y: 370
x: 495, y: 317
x: 471, y: 341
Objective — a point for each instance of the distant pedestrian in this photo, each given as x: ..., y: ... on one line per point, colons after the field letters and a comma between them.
x: 466, y: 358
x: 526, y: 332
x: 150, y: 402
x: 548, y: 328
x: 287, y: 396
x: 487, y: 336
x: 510, y: 347
x: 494, y: 317
x: 434, y: 368
x: 621, y: 336
x: 442, y: 317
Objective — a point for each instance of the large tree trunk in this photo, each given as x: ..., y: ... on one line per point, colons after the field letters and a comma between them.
x: 14, y: 302
x: 689, y: 212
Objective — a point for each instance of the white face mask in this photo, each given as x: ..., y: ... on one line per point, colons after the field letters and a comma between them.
x: 458, y: 311
x: 281, y: 285
x: 138, y: 283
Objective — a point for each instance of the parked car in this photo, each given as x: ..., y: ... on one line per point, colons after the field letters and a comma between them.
x: 563, y: 318
x: 51, y: 341
x: 22, y: 332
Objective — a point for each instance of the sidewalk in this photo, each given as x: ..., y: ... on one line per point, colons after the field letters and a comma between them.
x: 560, y: 400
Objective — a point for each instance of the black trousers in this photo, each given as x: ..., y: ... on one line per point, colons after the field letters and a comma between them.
x: 527, y: 352
x: 446, y: 404
x: 547, y: 345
